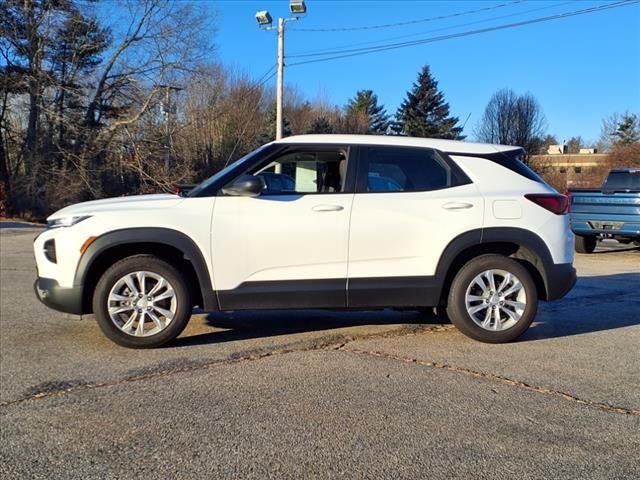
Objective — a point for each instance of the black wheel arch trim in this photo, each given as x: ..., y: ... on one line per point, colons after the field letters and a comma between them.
x: 161, y: 236
x: 542, y: 261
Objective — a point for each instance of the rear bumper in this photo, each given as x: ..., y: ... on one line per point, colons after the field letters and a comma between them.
x: 623, y: 229
x: 561, y: 277
x: 67, y: 300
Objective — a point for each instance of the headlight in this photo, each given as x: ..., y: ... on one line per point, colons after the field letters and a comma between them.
x: 66, y: 221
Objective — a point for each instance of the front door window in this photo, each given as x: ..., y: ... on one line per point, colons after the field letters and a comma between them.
x: 305, y: 172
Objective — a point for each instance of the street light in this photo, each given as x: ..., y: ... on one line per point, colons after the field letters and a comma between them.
x: 263, y: 18
x: 297, y: 9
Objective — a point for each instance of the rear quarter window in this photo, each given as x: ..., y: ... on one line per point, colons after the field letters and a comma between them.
x: 510, y: 160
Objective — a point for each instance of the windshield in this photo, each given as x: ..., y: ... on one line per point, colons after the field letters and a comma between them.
x: 202, y: 188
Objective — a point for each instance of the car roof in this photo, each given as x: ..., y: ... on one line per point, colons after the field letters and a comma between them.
x: 447, y: 146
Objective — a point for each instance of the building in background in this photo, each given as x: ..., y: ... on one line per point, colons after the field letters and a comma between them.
x: 566, y: 170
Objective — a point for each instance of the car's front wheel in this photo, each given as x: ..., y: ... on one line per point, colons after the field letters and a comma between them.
x: 142, y: 302
x: 493, y: 299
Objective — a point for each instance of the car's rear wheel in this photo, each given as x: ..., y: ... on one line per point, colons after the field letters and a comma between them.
x: 493, y: 299
x: 142, y: 302
x: 585, y: 244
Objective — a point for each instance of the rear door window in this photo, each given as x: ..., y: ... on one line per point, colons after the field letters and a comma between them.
x: 405, y: 169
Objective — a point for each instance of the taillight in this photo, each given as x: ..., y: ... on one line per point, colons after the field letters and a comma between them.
x: 554, y: 202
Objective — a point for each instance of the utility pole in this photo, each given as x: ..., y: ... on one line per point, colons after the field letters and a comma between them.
x: 297, y: 9
x: 167, y: 131
x: 167, y: 111
x: 280, y: 83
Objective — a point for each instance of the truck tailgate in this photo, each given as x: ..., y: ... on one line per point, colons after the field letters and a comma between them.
x: 598, y: 213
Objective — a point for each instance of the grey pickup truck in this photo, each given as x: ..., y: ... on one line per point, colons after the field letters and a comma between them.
x: 610, y: 212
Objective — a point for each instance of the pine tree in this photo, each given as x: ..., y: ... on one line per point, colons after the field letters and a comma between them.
x: 365, y: 103
x: 76, y: 50
x: 627, y: 131
x: 269, y: 134
x: 424, y: 113
x: 574, y: 144
x: 321, y: 125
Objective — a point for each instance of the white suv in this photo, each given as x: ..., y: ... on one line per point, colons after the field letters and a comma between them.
x: 320, y: 221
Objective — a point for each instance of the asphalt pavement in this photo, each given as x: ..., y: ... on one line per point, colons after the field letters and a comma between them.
x: 312, y: 394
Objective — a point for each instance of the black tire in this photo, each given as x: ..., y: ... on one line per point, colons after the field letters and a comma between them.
x: 585, y: 244
x: 457, y: 308
x: 145, y: 263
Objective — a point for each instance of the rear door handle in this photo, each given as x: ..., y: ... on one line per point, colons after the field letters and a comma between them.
x: 457, y: 205
x: 327, y: 208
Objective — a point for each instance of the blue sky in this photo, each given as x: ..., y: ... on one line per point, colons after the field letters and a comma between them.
x: 581, y: 69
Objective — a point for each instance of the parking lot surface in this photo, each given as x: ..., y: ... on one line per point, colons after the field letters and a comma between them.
x: 325, y: 394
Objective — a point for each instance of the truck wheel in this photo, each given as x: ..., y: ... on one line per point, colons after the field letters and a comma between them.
x: 493, y: 299
x: 142, y: 302
x: 585, y: 244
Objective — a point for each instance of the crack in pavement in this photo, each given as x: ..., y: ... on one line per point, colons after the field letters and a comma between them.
x: 605, y: 407
x: 330, y: 343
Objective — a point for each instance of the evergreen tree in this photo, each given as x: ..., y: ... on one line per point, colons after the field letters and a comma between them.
x: 321, y: 125
x: 547, y: 141
x: 395, y: 128
x: 424, y: 113
x: 270, y: 131
x: 627, y: 131
x: 76, y: 50
x: 365, y: 103
x: 574, y: 144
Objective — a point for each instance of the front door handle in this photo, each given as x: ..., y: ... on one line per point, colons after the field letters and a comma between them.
x: 457, y: 205
x: 327, y: 208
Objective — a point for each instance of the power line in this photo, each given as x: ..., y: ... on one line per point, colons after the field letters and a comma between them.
x: 391, y: 46
x: 264, y: 79
x: 410, y: 22
x: 364, y: 51
x: 261, y: 81
x: 321, y: 52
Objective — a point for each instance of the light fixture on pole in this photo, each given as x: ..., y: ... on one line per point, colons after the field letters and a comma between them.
x: 263, y: 18
x: 297, y: 9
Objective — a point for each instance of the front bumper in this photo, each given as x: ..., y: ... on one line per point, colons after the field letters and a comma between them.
x: 67, y: 300
x: 561, y: 277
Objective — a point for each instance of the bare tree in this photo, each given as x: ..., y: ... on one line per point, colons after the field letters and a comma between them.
x: 83, y: 94
x: 512, y: 119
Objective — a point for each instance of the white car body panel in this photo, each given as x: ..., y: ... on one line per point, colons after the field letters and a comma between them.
x: 190, y: 216
x: 499, y: 184
x: 404, y: 233
x: 280, y: 238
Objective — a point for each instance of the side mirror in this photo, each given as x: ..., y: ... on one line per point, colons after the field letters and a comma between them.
x: 245, y: 186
